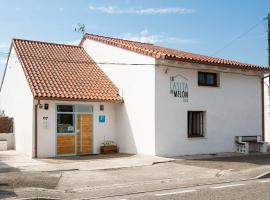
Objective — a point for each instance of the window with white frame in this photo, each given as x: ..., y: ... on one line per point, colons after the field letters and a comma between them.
x: 66, y: 115
x: 65, y: 119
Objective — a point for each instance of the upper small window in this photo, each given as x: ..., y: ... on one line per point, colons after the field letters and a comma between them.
x: 207, y: 79
x: 64, y: 108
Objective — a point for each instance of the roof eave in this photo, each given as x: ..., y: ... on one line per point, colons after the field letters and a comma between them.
x: 120, y: 100
x: 253, y: 68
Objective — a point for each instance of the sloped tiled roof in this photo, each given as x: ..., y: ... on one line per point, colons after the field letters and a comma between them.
x: 58, y: 71
x: 171, y: 54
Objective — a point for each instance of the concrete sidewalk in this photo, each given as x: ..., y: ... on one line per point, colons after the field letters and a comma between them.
x: 15, y: 161
x: 104, y: 163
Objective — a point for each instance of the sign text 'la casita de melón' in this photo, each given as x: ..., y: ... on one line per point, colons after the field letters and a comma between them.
x: 179, y: 87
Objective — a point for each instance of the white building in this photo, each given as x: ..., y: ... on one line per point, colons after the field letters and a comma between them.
x: 54, y: 93
x: 169, y: 102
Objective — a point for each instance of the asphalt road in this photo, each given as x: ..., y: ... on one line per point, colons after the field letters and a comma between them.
x: 171, y: 180
x: 256, y: 189
x: 247, y: 190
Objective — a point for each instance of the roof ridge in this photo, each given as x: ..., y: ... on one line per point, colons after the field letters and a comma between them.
x: 170, y: 53
x: 108, y: 37
x: 211, y: 57
x: 44, y: 42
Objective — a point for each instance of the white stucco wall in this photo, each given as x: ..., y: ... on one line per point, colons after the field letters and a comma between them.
x: 232, y: 109
x: 267, y: 109
x: 47, y: 134
x: 136, y: 117
x: 16, y: 100
x: 10, y: 138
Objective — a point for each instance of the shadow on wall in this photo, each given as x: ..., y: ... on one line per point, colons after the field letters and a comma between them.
x: 124, y: 133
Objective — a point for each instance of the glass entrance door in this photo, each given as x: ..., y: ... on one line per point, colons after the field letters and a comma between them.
x: 74, y: 130
x: 65, y: 130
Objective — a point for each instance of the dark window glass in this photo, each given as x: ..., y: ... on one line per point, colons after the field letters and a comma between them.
x: 210, y: 79
x: 207, y: 79
x: 195, y: 124
x: 201, y: 79
x: 64, y: 108
x: 65, y: 123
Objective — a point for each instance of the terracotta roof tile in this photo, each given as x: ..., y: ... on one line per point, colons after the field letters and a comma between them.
x: 171, y: 54
x: 58, y: 71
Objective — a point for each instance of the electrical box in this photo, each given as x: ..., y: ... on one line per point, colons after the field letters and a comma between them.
x: 46, y: 106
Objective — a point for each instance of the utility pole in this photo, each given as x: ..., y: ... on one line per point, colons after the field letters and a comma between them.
x: 268, y: 39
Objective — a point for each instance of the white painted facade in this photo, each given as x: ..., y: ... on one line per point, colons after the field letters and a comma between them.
x: 151, y: 120
x: 136, y: 117
x: 16, y: 100
x: 47, y: 132
x: 232, y: 109
x: 267, y: 109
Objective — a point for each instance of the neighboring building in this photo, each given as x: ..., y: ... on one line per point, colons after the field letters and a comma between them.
x: 178, y: 103
x: 169, y: 102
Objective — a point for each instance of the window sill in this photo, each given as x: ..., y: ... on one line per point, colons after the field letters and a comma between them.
x: 197, y: 138
x: 209, y: 86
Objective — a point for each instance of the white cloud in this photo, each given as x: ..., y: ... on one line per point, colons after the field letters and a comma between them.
x: 146, y: 37
x: 142, y: 11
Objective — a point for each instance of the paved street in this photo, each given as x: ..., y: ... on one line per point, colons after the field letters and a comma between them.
x: 211, y: 177
x: 248, y: 190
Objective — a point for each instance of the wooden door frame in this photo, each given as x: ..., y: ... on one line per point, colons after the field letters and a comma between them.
x: 92, y: 127
x: 75, y: 125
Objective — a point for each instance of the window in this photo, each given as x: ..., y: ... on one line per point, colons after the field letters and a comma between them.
x: 195, y: 124
x: 84, y: 108
x: 207, y: 79
x: 64, y: 108
x: 65, y: 119
x: 65, y: 123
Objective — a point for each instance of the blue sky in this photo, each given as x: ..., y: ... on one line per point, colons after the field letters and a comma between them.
x: 200, y: 26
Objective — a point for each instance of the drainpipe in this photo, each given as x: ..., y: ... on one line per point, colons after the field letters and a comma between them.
x: 36, y: 109
x: 263, y: 117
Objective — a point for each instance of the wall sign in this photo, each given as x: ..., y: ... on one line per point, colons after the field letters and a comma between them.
x: 179, y: 87
x: 45, y: 122
x: 101, y: 118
